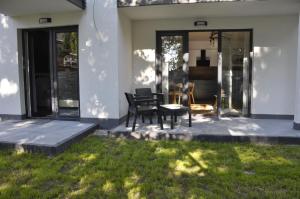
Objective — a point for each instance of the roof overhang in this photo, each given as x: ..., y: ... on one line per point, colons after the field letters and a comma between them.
x: 217, y: 8
x: 30, y: 7
x: 133, y: 3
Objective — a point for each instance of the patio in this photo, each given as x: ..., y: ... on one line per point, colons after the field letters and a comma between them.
x: 42, y: 135
x: 211, y: 129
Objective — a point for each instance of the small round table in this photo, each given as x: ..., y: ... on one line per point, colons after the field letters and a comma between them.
x: 174, y: 110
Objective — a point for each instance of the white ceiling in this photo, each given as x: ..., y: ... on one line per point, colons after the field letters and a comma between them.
x: 216, y: 9
x: 28, y: 7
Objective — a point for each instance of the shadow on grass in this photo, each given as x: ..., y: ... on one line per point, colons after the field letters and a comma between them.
x: 118, y: 168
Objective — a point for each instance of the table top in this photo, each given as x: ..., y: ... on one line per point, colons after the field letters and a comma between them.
x: 174, y: 107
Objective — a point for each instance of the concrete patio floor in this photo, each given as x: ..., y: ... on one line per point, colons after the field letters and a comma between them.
x: 42, y: 135
x: 210, y: 128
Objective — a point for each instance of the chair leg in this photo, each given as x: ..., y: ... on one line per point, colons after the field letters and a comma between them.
x: 127, y: 119
x: 158, y: 116
x: 143, y: 119
x: 174, y: 99
x: 134, y: 122
x: 193, y: 99
x: 150, y: 118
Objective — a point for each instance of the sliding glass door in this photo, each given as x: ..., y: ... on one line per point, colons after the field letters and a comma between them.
x: 233, y: 68
x: 235, y: 73
x: 51, y: 72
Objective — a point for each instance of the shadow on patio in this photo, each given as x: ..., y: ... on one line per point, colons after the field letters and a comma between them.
x: 235, y: 129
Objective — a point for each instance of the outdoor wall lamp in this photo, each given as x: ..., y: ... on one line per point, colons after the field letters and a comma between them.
x: 45, y: 20
x: 200, y: 23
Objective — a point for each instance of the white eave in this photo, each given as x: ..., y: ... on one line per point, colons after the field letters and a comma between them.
x: 30, y: 7
x: 213, y: 9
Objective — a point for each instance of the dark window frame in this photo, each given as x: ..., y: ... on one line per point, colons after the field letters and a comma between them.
x: 54, y: 91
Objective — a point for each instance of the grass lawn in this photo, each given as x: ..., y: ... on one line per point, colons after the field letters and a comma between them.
x: 114, y: 168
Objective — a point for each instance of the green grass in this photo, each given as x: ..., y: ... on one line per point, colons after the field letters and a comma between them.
x: 114, y: 168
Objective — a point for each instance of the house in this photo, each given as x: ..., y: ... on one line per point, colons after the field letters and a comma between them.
x: 74, y: 59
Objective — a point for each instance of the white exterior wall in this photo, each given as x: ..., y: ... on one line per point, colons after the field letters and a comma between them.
x: 10, y: 100
x: 297, y: 93
x: 275, y: 56
x: 125, y: 62
x: 98, y: 59
x: 98, y: 63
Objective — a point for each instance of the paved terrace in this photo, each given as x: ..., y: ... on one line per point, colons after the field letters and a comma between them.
x: 53, y: 136
x: 47, y: 136
x: 212, y: 129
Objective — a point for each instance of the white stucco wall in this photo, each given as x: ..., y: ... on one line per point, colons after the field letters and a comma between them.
x: 99, y: 64
x: 275, y: 56
x: 10, y: 101
x: 98, y: 59
x: 125, y: 62
x: 297, y: 92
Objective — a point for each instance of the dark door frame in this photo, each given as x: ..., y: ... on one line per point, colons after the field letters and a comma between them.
x: 185, y: 33
x: 53, y: 72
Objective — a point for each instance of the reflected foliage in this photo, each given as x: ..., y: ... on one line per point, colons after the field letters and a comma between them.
x: 115, y: 168
x: 172, y: 61
x: 172, y: 51
x: 70, y: 43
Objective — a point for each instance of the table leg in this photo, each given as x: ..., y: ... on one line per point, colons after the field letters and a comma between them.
x: 172, y: 120
x: 175, y: 117
x: 190, y: 119
x: 160, y: 120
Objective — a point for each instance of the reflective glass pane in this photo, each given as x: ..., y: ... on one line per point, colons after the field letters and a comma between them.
x: 172, y: 71
x: 67, y: 73
x: 235, y: 73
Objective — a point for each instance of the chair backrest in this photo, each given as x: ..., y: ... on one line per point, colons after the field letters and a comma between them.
x: 179, y: 87
x: 191, y: 87
x: 144, y: 92
x: 130, y: 99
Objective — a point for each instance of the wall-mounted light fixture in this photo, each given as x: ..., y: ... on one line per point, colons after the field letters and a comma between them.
x: 200, y: 23
x: 45, y: 20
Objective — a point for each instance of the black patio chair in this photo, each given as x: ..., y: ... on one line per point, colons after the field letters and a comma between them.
x: 138, y: 107
x: 148, y: 94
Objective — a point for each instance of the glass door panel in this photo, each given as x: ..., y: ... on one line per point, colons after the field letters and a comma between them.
x: 67, y: 73
x: 235, y: 73
x: 174, y: 58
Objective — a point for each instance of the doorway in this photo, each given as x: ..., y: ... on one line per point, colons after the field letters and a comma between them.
x: 51, y: 72
x: 216, y: 80
x: 203, y: 71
